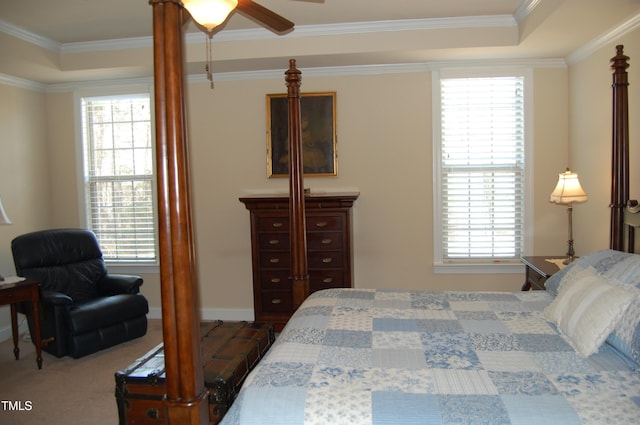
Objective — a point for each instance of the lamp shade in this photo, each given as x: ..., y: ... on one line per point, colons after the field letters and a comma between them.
x: 209, y: 13
x: 4, y: 219
x: 568, y: 189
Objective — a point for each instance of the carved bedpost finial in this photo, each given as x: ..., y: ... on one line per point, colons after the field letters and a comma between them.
x: 293, y: 77
x: 620, y: 62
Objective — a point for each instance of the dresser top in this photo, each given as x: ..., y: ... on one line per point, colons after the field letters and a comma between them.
x: 278, y: 200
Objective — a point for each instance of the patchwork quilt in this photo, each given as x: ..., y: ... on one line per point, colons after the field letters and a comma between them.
x: 352, y: 356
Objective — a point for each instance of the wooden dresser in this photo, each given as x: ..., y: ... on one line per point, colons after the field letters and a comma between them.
x: 328, y: 223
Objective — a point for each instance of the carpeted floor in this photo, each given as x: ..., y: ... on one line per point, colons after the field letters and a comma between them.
x: 66, y: 391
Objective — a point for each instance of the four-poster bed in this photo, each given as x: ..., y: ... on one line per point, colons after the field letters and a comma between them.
x: 374, y: 356
x: 359, y: 356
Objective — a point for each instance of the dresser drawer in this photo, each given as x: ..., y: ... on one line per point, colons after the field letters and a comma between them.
x: 315, y: 240
x: 275, y: 279
x: 277, y: 302
x: 322, y: 279
x: 325, y: 259
x: 313, y: 223
x: 273, y: 223
x: 16, y: 294
x: 324, y: 240
x: 324, y: 222
x: 272, y: 240
x: 276, y: 259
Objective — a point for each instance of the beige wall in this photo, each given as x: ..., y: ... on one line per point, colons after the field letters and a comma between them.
x: 24, y: 172
x: 385, y: 152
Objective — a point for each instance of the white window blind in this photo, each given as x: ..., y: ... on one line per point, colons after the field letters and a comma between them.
x: 119, y: 176
x: 482, y: 168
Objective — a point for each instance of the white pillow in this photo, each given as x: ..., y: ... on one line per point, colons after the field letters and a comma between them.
x: 588, y: 308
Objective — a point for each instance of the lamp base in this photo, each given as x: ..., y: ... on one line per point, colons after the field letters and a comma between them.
x: 570, y: 252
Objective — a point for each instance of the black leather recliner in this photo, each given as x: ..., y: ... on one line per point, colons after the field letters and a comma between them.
x: 84, y: 309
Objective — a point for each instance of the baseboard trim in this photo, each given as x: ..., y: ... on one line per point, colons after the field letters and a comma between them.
x: 5, y: 332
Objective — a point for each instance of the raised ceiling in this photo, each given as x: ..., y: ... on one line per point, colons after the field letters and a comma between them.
x: 65, y: 41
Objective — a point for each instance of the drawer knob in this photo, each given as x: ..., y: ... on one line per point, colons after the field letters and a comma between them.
x: 321, y: 224
x: 276, y: 301
x: 327, y: 280
x: 275, y: 280
x: 327, y: 260
x: 277, y: 224
x: 153, y: 413
x: 274, y: 241
x: 274, y: 260
x: 326, y: 241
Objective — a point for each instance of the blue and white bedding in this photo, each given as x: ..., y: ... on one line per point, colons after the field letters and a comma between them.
x: 355, y: 356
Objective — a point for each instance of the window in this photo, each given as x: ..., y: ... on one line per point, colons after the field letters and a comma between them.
x: 480, y: 169
x: 119, y: 181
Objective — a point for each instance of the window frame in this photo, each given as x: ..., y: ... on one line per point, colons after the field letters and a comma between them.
x: 471, y: 266
x: 151, y: 266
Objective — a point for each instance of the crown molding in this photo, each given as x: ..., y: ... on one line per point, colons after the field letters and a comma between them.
x: 499, y: 63
x: 368, y: 27
x: 525, y: 9
x: 262, y: 33
x: 29, y: 37
x: 605, y: 39
x: 328, y: 71
x: 104, y: 45
x: 10, y: 80
x: 120, y: 82
x: 400, y: 68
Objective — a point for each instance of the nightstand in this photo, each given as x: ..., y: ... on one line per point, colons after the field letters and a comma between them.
x: 538, y: 271
x: 16, y: 290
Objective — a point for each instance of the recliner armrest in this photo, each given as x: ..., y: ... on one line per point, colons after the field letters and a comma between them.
x: 55, y: 298
x: 113, y: 284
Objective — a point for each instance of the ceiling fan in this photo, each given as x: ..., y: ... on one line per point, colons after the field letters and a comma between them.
x: 211, y: 13
x: 265, y: 16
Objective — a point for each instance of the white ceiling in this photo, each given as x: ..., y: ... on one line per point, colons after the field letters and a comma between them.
x: 402, y: 31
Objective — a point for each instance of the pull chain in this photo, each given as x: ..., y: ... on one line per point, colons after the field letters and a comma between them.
x: 209, y: 65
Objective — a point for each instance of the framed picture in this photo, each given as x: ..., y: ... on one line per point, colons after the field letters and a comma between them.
x: 317, y: 131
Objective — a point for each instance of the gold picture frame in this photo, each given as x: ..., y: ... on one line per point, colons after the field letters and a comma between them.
x: 318, y: 134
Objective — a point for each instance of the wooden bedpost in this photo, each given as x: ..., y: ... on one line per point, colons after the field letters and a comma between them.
x: 620, y: 149
x: 186, y: 399
x: 297, y: 226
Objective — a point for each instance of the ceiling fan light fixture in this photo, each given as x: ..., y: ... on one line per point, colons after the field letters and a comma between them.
x: 209, y: 13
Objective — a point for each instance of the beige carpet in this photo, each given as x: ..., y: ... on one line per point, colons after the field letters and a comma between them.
x: 67, y: 391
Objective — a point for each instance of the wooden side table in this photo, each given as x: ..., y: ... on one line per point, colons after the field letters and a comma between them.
x: 538, y: 271
x: 27, y: 290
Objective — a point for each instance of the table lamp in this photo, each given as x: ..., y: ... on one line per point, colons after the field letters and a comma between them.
x: 567, y: 192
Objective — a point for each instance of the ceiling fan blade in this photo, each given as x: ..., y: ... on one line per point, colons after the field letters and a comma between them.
x: 265, y: 16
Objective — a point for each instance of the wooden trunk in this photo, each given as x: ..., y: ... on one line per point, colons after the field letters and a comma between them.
x: 230, y: 350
